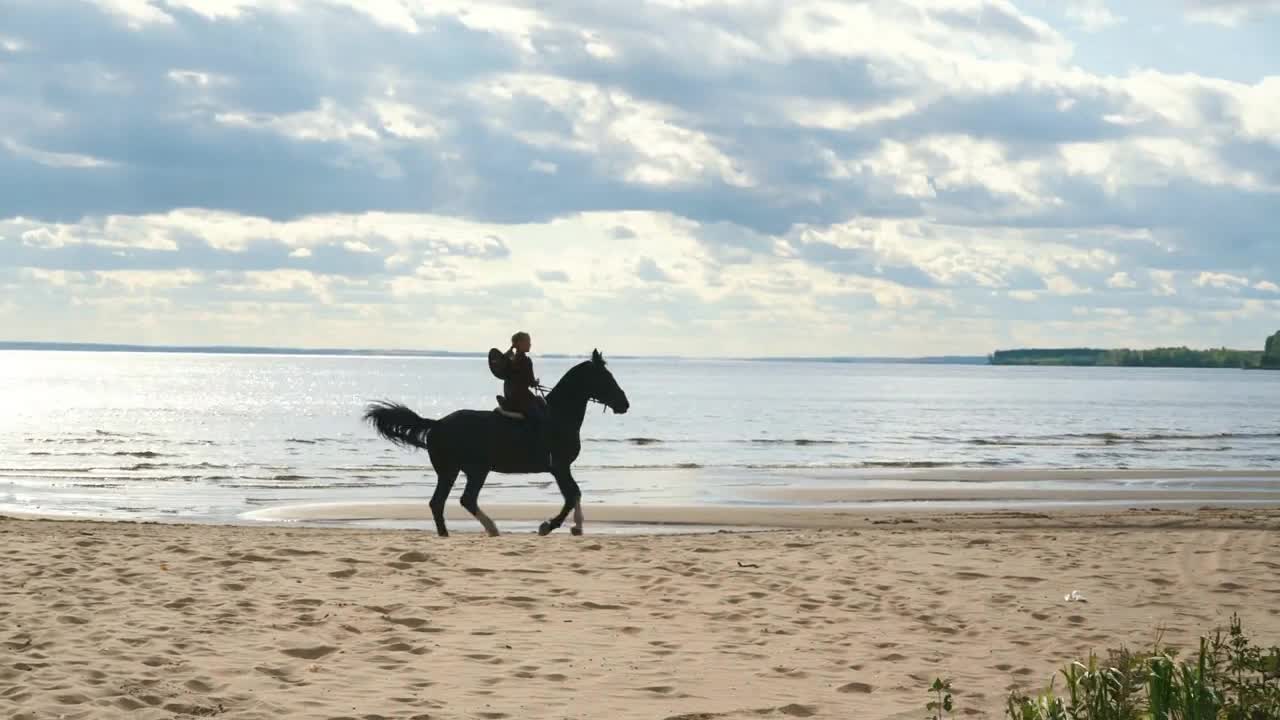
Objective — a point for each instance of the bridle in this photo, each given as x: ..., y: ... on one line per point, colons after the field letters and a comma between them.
x: 542, y: 389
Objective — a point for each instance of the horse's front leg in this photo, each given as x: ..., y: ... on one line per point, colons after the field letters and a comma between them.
x: 571, y: 494
x: 577, y: 518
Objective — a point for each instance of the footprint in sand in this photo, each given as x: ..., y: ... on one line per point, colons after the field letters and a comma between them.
x: 855, y: 687
x: 297, y: 553
x: 341, y: 574
x: 278, y: 674
x: 251, y: 557
x: 486, y: 659
x: 310, y: 653
x: 198, y: 685
x: 410, y: 622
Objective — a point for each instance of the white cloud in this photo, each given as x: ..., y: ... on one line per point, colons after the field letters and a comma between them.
x: 1121, y: 281
x: 149, y: 281
x: 1093, y: 15
x: 1229, y: 13
x: 54, y: 159
x: 659, y: 150
x: 1163, y: 281
x: 963, y: 165
x: 1063, y: 285
x: 136, y: 13
x: 1224, y: 281
x: 58, y: 278
x: 327, y: 123
x: 197, y: 79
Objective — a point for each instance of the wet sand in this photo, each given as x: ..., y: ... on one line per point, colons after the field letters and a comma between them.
x: 839, y: 501
x: 850, y: 616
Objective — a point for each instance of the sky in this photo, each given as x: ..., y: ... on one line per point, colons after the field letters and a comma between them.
x: 683, y: 177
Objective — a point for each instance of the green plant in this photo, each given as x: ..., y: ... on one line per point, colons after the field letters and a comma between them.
x: 1230, y: 678
x: 941, y: 690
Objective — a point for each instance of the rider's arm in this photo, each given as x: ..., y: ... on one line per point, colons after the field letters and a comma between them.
x: 533, y: 381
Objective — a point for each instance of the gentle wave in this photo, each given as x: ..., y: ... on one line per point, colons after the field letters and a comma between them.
x: 996, y: 440
x: 852, y: 465
x: 1112, y: 438
x: 755, y: 441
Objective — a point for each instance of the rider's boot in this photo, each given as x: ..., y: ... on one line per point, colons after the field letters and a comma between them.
x: 543, y: 440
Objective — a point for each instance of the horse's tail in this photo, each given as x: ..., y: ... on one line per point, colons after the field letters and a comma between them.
x: 399, y: 424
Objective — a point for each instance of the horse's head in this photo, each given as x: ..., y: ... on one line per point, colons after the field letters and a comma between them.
x: 603, y: 388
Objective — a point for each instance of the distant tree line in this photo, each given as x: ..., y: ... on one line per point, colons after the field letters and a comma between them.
x: 1271, y: 356
x: 1154, y: 357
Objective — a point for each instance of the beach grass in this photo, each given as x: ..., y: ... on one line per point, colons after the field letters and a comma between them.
x: 1229, y: 677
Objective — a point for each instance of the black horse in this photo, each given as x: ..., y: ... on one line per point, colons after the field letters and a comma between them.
x: 477, y: 442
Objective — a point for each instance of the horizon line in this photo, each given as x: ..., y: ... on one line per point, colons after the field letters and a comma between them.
x: 285, y: 350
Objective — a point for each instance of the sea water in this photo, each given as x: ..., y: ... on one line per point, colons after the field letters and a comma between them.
x: 210, y: 436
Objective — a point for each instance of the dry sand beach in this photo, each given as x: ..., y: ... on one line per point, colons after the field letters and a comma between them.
x: 849, y: 620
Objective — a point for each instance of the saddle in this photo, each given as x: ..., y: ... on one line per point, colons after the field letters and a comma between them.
x: 502, y: 410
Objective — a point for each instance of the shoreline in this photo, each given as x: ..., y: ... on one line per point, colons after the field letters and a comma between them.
x: 656, y: 520
x: 797, y: 499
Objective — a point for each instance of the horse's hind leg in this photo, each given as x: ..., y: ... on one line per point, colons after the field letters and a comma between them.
x: 471, y: 498
x: 445, y: 477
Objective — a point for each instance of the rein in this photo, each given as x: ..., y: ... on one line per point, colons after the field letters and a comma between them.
x: 543, y: 390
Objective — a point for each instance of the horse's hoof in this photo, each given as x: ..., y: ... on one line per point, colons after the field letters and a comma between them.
x: 575, y: 531
x: 544, y: 528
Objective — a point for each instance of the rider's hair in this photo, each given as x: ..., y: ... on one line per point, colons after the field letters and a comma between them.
x: 518, y: 337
